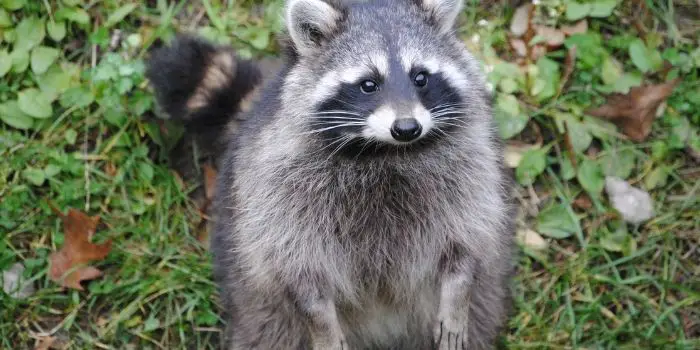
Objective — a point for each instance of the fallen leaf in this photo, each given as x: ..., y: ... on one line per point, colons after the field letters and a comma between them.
x: 45, y: 343
x: 66, y: 265
x: 513, y: 153
x: 521, y: 20
x: 110, y: 169
x: 210, y: 175
x: 632, y: 203
x: 519, y: 47
x: 14, y: 284
x: 537, y: 52
x: 579, y: 28
x: 209, y: 181
x: 582, y: 202
x: 531, y: 239
x: 569, y: 64
x: 552, y: 36
x: 568, y: 143
x: 512, y: 158
x: 635, y: 111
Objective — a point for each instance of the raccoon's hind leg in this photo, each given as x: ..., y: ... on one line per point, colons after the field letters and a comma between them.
x: 319, y: 313
x: 473, y: 305
x: 457, y: 281
x: 281, y: 321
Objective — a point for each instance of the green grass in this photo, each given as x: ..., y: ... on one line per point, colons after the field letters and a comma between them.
x: 92, y: 141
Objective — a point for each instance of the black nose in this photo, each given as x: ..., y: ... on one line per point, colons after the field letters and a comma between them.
x: 405, y: 129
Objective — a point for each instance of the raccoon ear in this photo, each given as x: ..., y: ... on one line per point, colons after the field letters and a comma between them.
x: 443, y: 12
x: 310, y: 23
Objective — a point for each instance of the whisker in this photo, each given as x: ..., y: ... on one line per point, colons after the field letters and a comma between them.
x: 316, y: 131
x: 451, y: 124
x: 365, y: 144
x: 451, y: 119
x: 442, y: 114
x: 448, y: 105
x: 335, y: 122
x: 348, y: 139
x: 436, y: 130
x: 320, y: 126
x: 451, y: 108
x: 336, y: 112
x: 339, y: 139
x: 331, y: 117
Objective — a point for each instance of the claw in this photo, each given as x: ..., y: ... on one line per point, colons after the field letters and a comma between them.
x: 447, y: 340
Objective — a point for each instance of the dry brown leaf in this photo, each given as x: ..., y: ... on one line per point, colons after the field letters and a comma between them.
x: 209, y: 189
x: 45, y: 343
x: 209, y: 180
x: 552, y: 36
x: 570, y: 148
x: 579, y: 28
x: 513, y: 152
x: 210, y: 175
x: 531, y: 239
x: 110, y: 169
x: 77, y: 250
x: 537, y: 51
x: 569, y: 65
x: 635, y: 111
x: 582, y: 202
x: 521, y: 20
x: 519, y: 47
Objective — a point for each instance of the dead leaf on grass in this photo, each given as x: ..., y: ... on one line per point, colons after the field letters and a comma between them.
x: 635, y: 111
x: 14, y: 284
x: 518, y: 45
x: 552, y: 36
x: 65, y: 264
x: 513, y: 152
x: 110, y: 169
x: 531, y: 239
x: 569, y: 65
x: 44, y: 343
x: 582, y: 202
x: 579, y: 28
x: 635, y: 205
x: 210, y: 175
x: 520, y: 22
x: 209, y: 181
x: 537, y: 52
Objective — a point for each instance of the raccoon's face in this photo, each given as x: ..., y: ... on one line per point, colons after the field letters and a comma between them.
x: 379, y: 73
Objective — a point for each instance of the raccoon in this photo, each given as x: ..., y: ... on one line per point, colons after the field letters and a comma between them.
x: 363, y: 202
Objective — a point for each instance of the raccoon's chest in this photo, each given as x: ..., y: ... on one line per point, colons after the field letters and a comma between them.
x: 393, y: 231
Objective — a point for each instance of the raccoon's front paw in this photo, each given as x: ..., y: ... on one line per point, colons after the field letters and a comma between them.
x: 450, y: 336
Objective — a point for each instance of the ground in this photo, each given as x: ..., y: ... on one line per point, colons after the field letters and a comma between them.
x: 79, y: 129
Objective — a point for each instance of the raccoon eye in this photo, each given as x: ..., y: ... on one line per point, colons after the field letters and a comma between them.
x: 421, y: 79
x: 369, y: 87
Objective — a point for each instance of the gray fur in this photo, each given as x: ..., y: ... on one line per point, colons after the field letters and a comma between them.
x: 400, y: 250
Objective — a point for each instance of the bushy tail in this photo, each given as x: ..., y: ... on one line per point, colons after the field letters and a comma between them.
x: 201, y: 85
